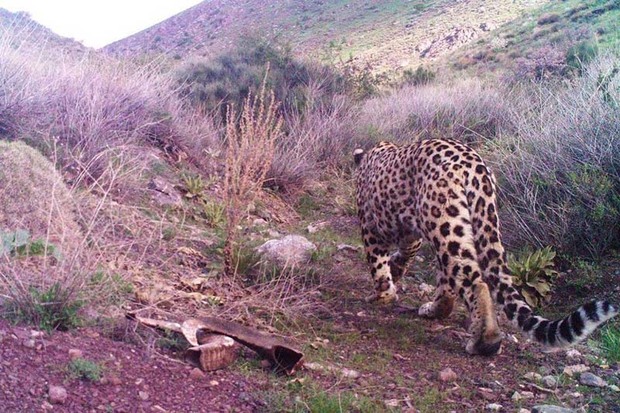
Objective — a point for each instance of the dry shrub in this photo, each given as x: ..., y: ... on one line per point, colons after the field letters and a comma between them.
x: 316, y: 140
x: 35, y: 198
x: 95, y: 110
x: 560, y: 171
x: 250, y: 148
x: 467, y: 110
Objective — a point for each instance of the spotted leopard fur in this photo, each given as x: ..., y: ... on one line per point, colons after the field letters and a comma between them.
x: 442, y: 192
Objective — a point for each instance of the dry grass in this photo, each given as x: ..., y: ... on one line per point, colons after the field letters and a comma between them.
x: 468, y: 110
x: 559, y: 171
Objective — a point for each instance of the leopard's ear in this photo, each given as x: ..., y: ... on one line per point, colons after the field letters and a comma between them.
x: 358, y: 154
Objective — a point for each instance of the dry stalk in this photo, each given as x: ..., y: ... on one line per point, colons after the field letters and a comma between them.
x: 249, y: 154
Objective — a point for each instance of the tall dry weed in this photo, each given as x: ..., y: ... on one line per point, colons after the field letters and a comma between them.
x: 251, y: 141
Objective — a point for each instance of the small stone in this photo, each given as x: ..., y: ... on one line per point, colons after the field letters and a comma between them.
x: 114, y: 380
x: 214, y: 383
x: 259, y: 222
x: 314, y: 228
x: 46, y: 406
x: 28, y: 343
x: 196, y: 374
x: 577, y: 368
x: 347, y: 247
x: 75, y: 354
x: 524, y: 411
x: 143, y: 395
x: 527, y: 394
x: 532, y: 376
x: 613, y: 387
x: 592, y: 380
x: 36, y: 333
x: 516, y: 397
x: 550, y: 382
x: 487, y: 394
x: 494, y: 407
x: 573, y: 354
x: 447, y: 375
x: 426, y: 288
x: 548, y: 408
x: 392, y: 403
x: 265, y: 364
x: 350, y: 374
x: 57, y: 394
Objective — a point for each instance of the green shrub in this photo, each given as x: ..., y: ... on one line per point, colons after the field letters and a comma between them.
x: 420, y: 76
x: 50, y: 309
x: 532, y: 274
x: 579, y: 55
x: 228, y: 79
x: 610, y: 343
x: 85, y: 370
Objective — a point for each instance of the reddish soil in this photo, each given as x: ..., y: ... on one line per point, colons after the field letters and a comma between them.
x: 133, y: 380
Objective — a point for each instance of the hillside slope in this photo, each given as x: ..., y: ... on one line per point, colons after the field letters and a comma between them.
x: 18, y: 30
x: 389, y: 35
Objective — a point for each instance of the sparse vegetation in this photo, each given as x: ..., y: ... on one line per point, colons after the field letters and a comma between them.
x: 84, y: 369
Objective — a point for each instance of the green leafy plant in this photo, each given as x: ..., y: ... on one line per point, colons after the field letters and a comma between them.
x: 85, y: 369
x: 610, y: 343
x: 532, y: 274
x: 194, y: 186
x: 19, y: 243
x: 215, y: 213
x: 52, y: 308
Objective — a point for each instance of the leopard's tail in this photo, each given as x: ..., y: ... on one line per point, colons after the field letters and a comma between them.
x: 559, y: 333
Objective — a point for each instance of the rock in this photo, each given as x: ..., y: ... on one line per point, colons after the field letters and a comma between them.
x: 259, y: 222
x: 314, y: 228
x: 196, y: 374
x: 46, y: 406
x: 57, y: 394
x: 527, y: 394
x: 265, y: 364
x: 592, y: 380
x: 447, y: 375
x: 347, y: 247
x: 577, y: 368
x: 143, y: 395
x: 426, y: 289
x: 524, y: 411
x: 532, y: 376
x: 487, y: 394
x: 548, y: 408
x: 516, y: 397
x: 75, y: 354
x: 550, y: 382
x: 392, y: 403
x: 290, y: 251
x: 494, y: 407
x: 573, y: 354
x: 114, y: 380
x: 487, y: 27
x: 214, y: 383
x: 28, y: 343
x: 350, y: 374
x: 164, y: 193
x: 613, y: 387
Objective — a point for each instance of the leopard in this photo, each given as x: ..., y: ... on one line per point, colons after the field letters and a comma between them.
x: 440, y: 191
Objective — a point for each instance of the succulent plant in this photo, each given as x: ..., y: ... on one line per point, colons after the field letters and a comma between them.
x: 532, y: 274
